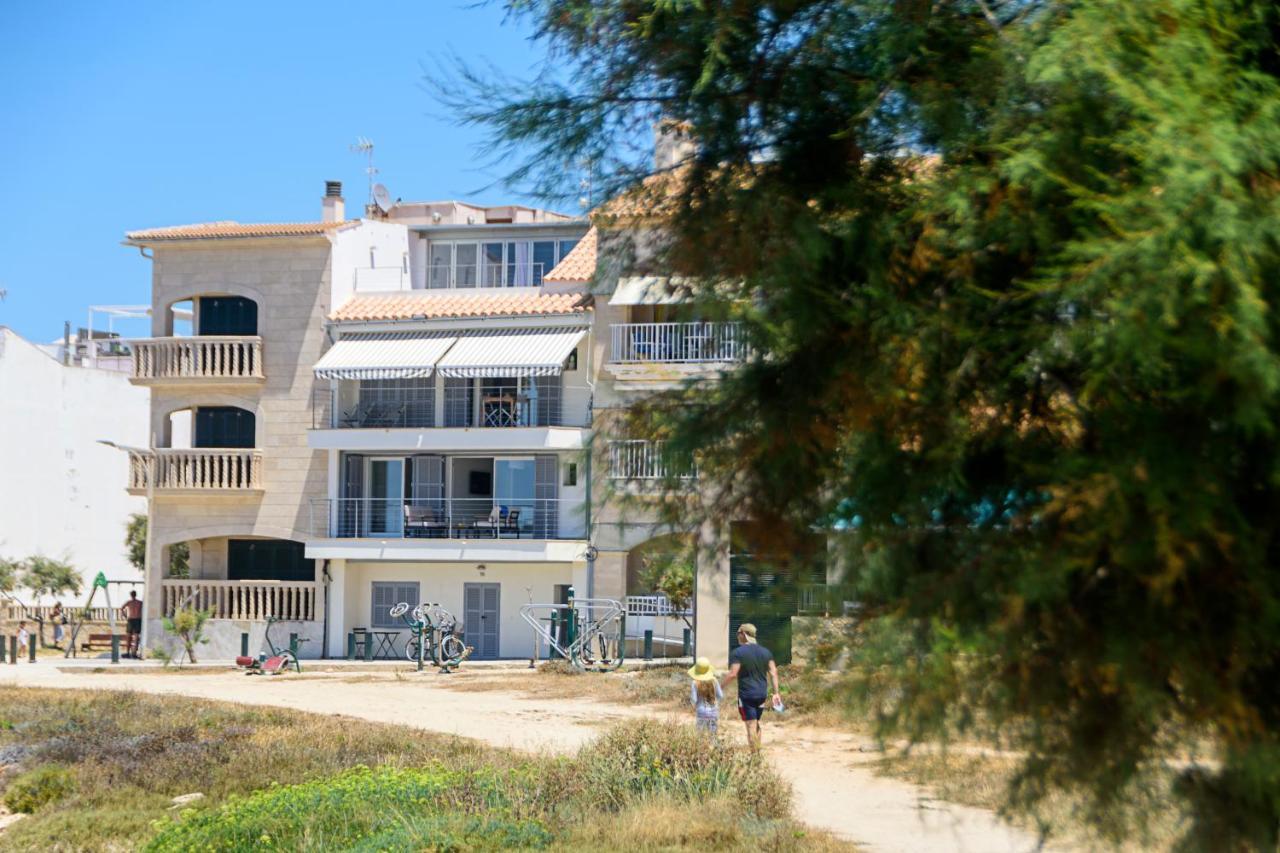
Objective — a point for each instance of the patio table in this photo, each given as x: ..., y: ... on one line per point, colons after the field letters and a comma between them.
x: 384, y: 644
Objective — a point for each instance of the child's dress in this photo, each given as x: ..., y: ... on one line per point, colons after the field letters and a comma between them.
x: 706, y: 714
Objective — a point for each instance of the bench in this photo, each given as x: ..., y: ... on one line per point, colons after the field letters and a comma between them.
x: 103, y: 641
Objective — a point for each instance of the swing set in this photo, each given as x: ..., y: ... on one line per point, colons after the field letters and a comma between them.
x: 99, y: 583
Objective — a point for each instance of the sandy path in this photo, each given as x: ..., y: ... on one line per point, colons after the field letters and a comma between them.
x: 835, y: 788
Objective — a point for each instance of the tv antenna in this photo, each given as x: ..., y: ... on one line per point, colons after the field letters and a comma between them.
x: 364, y: 146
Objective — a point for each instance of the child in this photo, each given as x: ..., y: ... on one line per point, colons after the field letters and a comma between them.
x: 23, y: 638
x: 705, y: 695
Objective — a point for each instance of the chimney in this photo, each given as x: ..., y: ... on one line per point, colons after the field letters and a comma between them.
x: 332, y: 208
x: 672, y: 144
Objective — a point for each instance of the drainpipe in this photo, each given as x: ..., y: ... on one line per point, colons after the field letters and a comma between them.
x: 324, y: 635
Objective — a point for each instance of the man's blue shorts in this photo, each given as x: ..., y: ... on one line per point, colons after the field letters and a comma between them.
x: 751, y: 707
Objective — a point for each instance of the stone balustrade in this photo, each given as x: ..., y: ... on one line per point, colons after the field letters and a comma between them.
x: 206, y: 358
x: 203, y: 470
x: 289, y: 601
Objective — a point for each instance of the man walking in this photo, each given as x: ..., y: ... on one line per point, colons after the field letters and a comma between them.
x: 753, y: 667
x: 132, y: 610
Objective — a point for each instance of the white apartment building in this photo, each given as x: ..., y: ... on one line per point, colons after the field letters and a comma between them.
x: 405, y: 407
x: 60, y: 490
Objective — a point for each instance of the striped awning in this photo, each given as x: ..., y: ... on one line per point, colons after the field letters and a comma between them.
x: 649, y: 290
x: 510, y: 352
x: 405, y: 355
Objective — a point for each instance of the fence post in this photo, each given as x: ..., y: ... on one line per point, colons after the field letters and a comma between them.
x: 686, y: 648
x: 115, y: 648
x: 368, y: 645
x: 13, y: 649
x: 244, y: 644
x: 293, y: 645
x: 555, y: 626
x: 1, y: 649
x: 648, y: 644
x: 351, y: 646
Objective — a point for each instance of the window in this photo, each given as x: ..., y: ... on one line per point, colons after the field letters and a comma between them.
x: 227, y: 315
x: 268, y: 560
x: 387, y: 594
x: 511, y: 263
x: 224, y: 426
x: 571, y: 474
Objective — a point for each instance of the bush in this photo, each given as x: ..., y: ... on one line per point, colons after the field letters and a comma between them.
x: 364, y: 809
x: 642, y: 758
x: 35, y: 788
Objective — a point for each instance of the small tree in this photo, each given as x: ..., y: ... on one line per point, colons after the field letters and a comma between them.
x: 135, y: 543
x: 187, y: 624
x: 49, y: 576
x: 10, y: 571
x: 671, y: 573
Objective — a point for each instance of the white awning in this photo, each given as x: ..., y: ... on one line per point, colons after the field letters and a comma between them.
x: 404, y: 355
x: 648, y: 290
x: 510, y: 352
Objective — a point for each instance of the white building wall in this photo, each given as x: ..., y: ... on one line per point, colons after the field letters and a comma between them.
x: 61, y: 493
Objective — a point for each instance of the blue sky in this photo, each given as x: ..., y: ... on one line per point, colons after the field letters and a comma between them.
x: 118, y: 116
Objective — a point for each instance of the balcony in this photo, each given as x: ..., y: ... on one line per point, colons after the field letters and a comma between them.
x: 675, y: 343
x: 447, y: 518
x: 441, y: 276
x: 206, y: 359
x: 213, y: 471
x: 291, y: 601
x: 647, y: 463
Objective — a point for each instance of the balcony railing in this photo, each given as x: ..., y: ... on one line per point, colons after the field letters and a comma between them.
x: 464, y: 407
x: 292, y: 601
x: 213, y: 358
x: 820, y: 599
x: 442, y: 276
x: 445, y: 518
x: 229, y: 470
x: 676, y: 342
x: 643, y: 460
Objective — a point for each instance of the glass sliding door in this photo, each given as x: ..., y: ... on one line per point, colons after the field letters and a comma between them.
x: 385, y: 497
x: 514, y: 482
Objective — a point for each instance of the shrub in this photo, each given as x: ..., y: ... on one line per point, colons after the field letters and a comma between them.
x: 35, y: 788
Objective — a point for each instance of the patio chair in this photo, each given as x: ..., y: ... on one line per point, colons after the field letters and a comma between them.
x: 422, y: 520
x: 493, y: 523
x: 511, y: 524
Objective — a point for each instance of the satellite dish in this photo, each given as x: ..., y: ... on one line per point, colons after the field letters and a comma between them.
x: 382, y: 198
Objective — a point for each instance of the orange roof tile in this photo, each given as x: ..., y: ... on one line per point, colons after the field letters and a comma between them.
x: 580, y: 263
x: 439, y: 305
x: 231, y: 230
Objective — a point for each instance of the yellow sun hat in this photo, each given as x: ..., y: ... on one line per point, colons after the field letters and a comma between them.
x: 702, y: 671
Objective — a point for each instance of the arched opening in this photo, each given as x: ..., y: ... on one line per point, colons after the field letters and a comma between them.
x: 210, y: 427
x: 660, y: 582
x: 179, y: 319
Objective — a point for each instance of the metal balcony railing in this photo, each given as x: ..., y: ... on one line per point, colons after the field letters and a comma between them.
x: 643, y: 460
x: 676, y: 342
x: 292, y: 601
x: 209, y: 357
x: 465, y: 406
x: 443, y: 518
x: 210, y: 470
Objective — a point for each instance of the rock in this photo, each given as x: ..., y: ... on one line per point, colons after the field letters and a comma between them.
x: 186, y: 799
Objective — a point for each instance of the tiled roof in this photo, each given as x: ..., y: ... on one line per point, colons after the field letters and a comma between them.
x: 440, y: 305
x: 654, y: 197
x: 231, y: 230
x: 580, y: 263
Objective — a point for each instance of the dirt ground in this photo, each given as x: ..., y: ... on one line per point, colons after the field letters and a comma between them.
x: 831, y: 773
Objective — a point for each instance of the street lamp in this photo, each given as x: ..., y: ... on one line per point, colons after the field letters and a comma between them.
x: 146, y: 552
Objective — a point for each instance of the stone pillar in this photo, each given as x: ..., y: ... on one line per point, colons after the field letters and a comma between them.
x: 157, y: 562
x: 611, y: 575
x: 711, y: 595
x: 337, y: 602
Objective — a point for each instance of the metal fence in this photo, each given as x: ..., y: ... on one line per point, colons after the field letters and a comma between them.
x: 676, y: 342
x: 442, y: 518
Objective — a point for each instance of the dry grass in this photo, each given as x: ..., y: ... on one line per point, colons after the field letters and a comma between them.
x: 129, y: 754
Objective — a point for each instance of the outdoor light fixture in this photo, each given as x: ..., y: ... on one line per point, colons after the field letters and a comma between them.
x: 480, y: 568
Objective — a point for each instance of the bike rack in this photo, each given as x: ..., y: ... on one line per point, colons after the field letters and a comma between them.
x: 597, y: 630
x: 429, y: 617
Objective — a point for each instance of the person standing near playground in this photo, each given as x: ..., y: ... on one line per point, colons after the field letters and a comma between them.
x: 58, y: 620
x: 132, y: 611
x: 24, y: 638
x: 752, y: 665
x: 705, y: 695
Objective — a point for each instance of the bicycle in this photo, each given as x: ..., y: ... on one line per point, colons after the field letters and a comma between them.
x: 444, y: 646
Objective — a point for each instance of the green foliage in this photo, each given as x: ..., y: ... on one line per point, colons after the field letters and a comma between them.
x: 1007, y: 270
x: 670, y: 572
x: 187, y: 624
x: 135, y: 543
x: 46, y: 784
x: 47, y: 576
x: 10, y: 572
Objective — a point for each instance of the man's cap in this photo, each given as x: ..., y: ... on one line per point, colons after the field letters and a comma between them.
x: 748, y: 629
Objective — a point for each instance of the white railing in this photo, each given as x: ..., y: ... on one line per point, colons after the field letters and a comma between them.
x: 209, y: 470
x: 653, y: 605
x: 640, y: 459
x: 676, y: 342
x: 447, y: 518
x: 292, y: 601
x: 201, y: 357
x: 15, y: 612
x: 484, y: 274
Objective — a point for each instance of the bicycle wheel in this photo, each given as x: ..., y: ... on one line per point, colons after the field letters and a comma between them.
x: 451, y: 650
x: 411, y: 650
